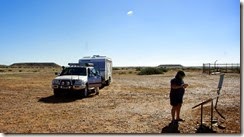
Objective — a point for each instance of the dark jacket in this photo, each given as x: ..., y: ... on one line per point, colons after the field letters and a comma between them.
x: 176, y: 95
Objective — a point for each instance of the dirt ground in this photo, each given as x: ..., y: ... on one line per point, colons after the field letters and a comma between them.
x: 131, y: 104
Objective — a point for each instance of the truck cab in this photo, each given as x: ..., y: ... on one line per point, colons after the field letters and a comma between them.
x: 81, y: 79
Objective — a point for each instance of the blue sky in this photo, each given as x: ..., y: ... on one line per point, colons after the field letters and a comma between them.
x: 187, y: 32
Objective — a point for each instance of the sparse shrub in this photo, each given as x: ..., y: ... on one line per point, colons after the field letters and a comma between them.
x: 130, y: 72
x: 20, y: 70
x: 120, y: 73
x: 163, y: 69
x: 116, y: 68
x: 138, y: 68
x: 10, y: 70
x: 1, y: 70
x: 152, y: 70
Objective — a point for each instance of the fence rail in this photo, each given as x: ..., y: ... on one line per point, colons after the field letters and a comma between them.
x: 223, y: 68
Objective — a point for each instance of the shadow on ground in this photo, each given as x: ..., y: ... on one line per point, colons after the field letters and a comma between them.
x: 171, y: 128
x: 62, y: 99
x: 204, y: 129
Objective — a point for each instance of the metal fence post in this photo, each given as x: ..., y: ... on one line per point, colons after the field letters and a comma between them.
x: 201, y: 114
x: 211, y: 114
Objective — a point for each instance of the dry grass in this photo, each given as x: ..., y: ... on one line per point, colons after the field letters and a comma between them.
x: 132, y: 104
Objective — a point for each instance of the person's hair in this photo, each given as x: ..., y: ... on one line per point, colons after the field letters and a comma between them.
x: 180, y: 73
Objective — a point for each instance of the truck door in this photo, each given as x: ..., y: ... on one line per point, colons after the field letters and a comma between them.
x: 94, y: 79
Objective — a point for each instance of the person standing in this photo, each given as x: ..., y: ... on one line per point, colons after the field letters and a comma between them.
x: 176, y: 95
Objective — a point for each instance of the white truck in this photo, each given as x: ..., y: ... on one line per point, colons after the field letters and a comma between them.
x: 82, y: 79
x: 101, y: 63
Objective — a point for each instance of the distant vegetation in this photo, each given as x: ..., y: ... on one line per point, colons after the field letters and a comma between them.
x: 139, y: 70
x: 116, y: 68
x: 3, y: 66
x: 152, y: 71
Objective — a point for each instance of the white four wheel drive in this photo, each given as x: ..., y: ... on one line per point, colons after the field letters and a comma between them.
x: 81, y: 79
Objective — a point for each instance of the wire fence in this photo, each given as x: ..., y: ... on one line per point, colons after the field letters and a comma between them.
x: 222, y: 68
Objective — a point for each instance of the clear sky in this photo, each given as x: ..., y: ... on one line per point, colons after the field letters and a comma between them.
x: 131, y: 32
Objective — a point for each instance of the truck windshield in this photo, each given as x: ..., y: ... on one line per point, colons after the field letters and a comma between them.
x: 74, y: 71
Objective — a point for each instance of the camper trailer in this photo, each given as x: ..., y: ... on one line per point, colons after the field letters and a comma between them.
x: 101, y: 63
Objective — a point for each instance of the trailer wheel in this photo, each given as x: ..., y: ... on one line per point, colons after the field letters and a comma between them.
x: 103, y: 81
x: 108, y: 82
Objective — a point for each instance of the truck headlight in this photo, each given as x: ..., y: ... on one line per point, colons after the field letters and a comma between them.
x: 56, y: 82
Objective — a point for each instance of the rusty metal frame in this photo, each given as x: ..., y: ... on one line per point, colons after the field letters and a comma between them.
x: 221, y: 79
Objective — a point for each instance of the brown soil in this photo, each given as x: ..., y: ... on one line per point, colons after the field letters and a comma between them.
x: 131, y: 104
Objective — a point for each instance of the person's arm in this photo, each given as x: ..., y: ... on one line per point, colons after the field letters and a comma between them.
x: 175, y: 86
x: 185, y: 85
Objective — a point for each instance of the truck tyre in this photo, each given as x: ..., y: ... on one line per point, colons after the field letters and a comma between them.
x: 97, y: 91
x: 85, y: 92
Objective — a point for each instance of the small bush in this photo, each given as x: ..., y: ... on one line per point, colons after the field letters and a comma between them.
x: 116, y: 68
x: 10, y: 70
x: 1, y: 70
x: 163, y: 69
x: 20, y: 70
x: 151, y: 71
x: 130, y: 72
x: 120, y: 73
x: 138, y: 68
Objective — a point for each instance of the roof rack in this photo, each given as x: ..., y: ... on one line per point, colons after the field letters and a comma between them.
x: 73, y: 64
x: 79, y: 65
x: 96, y: 56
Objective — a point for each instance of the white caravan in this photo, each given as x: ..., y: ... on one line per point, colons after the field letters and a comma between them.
x: 102, y: 64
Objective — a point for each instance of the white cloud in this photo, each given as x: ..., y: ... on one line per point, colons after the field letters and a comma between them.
x: 130, y: 13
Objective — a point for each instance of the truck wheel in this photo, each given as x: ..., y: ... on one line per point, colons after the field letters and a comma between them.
x: 85, y: 92
x: 56, y: 93
x: 97, y: 91
x: 102, y: 86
